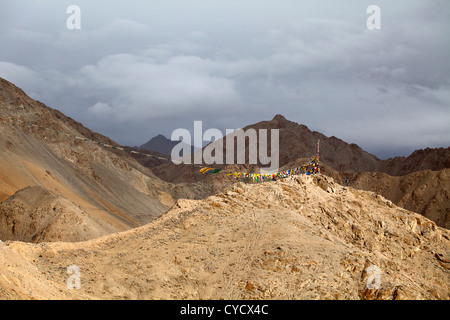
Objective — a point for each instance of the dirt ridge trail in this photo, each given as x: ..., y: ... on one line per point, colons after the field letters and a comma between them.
x: 303, y: 237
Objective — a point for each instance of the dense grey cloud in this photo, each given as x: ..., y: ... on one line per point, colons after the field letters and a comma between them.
x: 136, y: 70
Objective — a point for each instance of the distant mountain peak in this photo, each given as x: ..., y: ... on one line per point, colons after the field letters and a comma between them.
x: 279, y: 117
x: 159, y: 137
x: 160, y: 144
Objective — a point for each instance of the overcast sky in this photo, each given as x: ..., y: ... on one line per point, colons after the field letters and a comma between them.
x: 136, y: 69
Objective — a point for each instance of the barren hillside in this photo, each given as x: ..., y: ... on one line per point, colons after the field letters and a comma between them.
x: 425, y: 192
x: 420, y: 160
x: 304, y: 237
x: 112, y: 189
x: 418, y: 182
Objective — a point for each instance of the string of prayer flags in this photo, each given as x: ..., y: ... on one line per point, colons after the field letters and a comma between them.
x: 311, y: 168
x: 207, y: 170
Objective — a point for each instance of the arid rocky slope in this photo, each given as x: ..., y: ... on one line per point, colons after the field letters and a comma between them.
x: 94, y: 189
x: 35, y: 214
x: 420, y: 160
x: 425, y: 192
x: 419, y: 182
x: 304, y: 237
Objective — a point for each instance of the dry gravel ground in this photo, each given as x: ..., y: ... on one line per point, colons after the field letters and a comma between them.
x: 304, y: 237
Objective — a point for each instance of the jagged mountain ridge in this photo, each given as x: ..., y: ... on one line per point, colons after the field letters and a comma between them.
x: 434, y: 159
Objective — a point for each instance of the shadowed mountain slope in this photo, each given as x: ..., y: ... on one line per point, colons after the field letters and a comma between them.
x: 110, y: 187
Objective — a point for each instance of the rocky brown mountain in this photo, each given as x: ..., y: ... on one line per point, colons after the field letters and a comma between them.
x: 297, y: 141
x: 424, y: 159
x: 80, y: 178
x: 419, y: 182
x: 426, y: 192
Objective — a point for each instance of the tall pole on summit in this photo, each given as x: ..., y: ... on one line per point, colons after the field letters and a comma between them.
x: 317, y: 155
